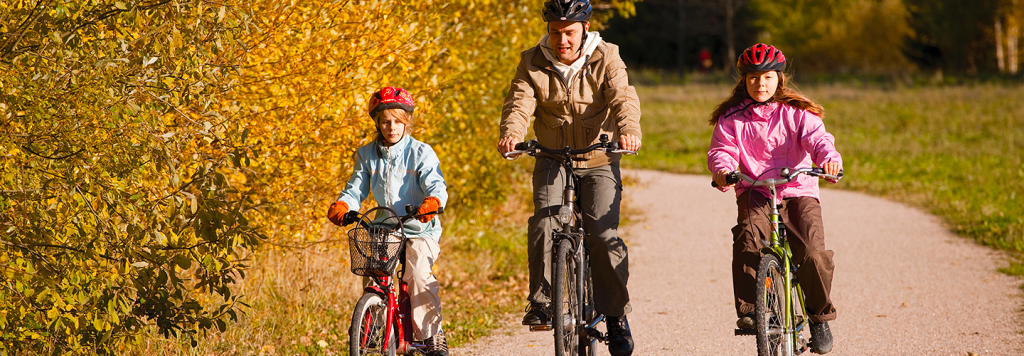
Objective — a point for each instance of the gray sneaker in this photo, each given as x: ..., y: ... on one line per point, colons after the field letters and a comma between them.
x: 536, y: 314
x: 746, y: 321
x: 821, y: 338
x: 620, y: 339
x: 437, y: 345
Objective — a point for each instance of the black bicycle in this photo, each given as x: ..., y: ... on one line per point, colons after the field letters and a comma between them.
x: 574, y: 319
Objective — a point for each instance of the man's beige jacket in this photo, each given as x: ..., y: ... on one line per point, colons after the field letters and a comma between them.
x: 596, y: 100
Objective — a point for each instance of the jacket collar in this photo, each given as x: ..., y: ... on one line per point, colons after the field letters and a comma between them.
x: 760, y: 111
x: 397, y: 147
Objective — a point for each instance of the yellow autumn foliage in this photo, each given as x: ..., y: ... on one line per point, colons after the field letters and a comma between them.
x: 308, y: 80
x: 149, y: 148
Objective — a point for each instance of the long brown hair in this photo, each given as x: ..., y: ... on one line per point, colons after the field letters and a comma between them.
x: 784, y: 95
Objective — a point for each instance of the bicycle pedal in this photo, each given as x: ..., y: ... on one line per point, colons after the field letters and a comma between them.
x: 745, y: 332
x: 540, y: 327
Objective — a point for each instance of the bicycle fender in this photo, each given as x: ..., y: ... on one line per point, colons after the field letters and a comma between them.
x: 767, y: 250
x: 375, y: 289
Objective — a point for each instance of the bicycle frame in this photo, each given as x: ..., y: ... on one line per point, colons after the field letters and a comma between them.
x: 779, y: 246
x: 572, y: 230
x: 398, y: 317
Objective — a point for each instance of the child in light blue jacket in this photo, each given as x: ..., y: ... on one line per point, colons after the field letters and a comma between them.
x: 403, y: 171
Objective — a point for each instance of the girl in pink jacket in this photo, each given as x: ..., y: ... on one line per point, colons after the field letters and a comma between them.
x: 762, y: 127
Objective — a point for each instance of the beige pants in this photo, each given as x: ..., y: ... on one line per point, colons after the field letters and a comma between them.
x: 420, y: 254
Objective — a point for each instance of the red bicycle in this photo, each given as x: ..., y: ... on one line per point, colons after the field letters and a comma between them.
x: 382, y: 319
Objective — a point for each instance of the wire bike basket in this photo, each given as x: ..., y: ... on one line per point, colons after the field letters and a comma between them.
x: 375, y: 249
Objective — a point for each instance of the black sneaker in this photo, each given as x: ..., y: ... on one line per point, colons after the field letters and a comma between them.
x: 620, y: 339
x: 437, y: 345
x: 821, y: 338
x: 536, y: 314
x: 746, y: 321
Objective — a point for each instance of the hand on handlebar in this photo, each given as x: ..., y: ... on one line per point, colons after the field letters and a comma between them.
x: 428, y: 209
x: 508, y: 144
x: 629, y: 142
x: 721, y: 181
x: 833, y: 169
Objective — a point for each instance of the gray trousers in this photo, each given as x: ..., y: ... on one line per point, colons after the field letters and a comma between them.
x: 600, y: 191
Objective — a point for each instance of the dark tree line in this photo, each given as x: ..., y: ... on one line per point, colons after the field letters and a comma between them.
x: 827, y: 36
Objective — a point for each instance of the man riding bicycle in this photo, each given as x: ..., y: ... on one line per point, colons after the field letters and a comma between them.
x: 576, y: 87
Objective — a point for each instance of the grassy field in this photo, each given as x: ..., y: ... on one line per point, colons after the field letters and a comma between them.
x: 952, y: 150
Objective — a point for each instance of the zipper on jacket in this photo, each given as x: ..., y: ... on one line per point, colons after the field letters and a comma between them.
x: 388, y: 168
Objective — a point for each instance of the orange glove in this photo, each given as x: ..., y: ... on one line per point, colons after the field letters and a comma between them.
x: 336, y: 213
x: 430, y: 205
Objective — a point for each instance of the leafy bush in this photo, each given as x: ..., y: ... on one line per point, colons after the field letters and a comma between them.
x: 149, y: 148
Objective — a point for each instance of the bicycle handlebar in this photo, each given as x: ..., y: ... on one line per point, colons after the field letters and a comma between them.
x: 532, y: 147
x: 410, y: 213
x: 788, y: 174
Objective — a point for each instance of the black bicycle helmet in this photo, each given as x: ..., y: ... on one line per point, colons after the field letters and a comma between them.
x: 761, y: 58
x: 567, y: 10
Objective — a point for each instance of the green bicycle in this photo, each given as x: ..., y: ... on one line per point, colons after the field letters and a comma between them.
x: 780, y: 314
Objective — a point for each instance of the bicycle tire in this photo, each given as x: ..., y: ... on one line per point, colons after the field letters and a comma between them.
x: 368, y: 327
x: 564, y: 300
x: 587, y: 308
x: 770, y: 307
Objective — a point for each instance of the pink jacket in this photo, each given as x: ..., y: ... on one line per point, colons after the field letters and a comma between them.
x: 768, y: 136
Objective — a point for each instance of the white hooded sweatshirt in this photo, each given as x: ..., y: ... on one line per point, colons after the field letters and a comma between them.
x: 568, y: 70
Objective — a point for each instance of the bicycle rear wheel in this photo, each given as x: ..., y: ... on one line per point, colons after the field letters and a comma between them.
x: 770, y: 307
x: 565, y: 300
x: 369, y: 321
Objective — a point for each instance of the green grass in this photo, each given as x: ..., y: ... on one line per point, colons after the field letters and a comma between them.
x: 954, y: 151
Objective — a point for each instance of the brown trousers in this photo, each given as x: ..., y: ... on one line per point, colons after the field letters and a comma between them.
x: 806, y: 235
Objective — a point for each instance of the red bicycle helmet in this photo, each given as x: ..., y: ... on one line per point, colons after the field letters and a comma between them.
x: 761, y: 58
x: 390, y: 98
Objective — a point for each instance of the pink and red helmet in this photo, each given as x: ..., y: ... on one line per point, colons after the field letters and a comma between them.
x: 761, y: 58
x: 390, y: 98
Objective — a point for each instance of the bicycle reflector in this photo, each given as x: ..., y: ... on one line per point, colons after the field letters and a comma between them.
x: 565, y: 214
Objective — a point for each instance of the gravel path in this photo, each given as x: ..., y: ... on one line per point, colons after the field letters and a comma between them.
x: 903, y: 284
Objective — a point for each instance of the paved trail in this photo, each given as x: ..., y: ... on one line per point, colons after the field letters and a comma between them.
x: 903, y: 284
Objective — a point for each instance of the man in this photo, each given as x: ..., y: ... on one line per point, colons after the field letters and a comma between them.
x: 575, y: 85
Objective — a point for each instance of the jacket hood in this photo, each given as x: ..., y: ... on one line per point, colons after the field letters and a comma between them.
x: 568, y: 70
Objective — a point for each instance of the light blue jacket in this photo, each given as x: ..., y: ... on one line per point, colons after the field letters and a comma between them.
x: 404, y: 173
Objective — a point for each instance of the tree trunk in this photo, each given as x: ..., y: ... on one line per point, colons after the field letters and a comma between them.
x: 1012, y: 36
x: 1013, y: 19
x: 681, y: 36
x: 730, y: 42
x: 999, y: 45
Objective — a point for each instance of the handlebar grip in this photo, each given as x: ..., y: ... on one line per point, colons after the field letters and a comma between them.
x: 818, y: 170
x: 409, y: 209
x: 524, y: 146
x: 730, y: 178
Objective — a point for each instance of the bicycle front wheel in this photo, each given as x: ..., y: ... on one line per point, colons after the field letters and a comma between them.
x: 565, y: 300
x: 770, y: 307
x: 588, y: 314
x: 367, y: 333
